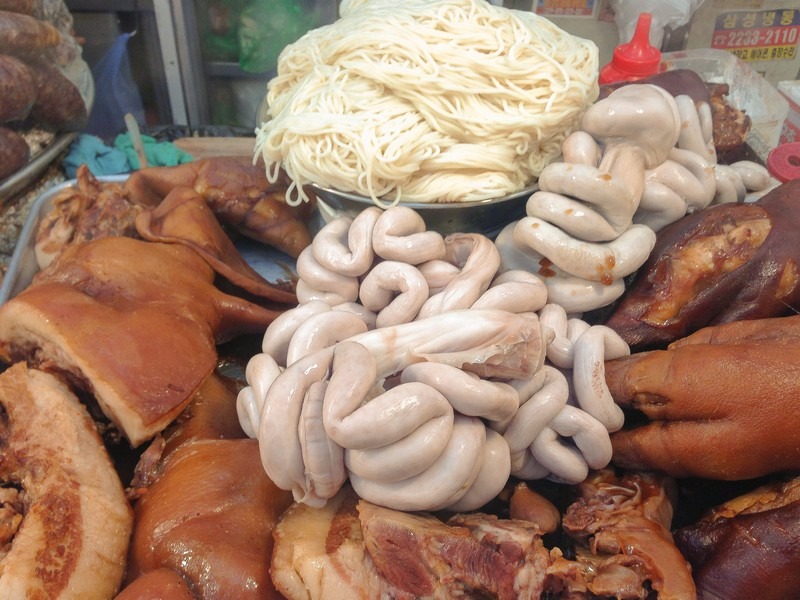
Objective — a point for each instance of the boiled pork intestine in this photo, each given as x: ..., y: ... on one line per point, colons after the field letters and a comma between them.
x: 619, y: 532
x: 435, y: 327
x: 641, y: 160
x: 730, y: 125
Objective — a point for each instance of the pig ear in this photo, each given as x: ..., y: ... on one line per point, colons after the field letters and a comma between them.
x: 183, y: 217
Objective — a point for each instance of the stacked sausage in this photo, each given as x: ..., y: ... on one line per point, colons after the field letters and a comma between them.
x: 35, y: 54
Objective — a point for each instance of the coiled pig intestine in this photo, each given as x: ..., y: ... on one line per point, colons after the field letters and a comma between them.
x: 429, y: 385
x: 641, y: 160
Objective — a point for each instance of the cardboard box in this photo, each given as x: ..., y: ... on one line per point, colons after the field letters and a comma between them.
x: 763, y: 33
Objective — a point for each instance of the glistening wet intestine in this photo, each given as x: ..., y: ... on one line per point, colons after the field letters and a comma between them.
x: 419, y: 371
x: 640, y: 160
x: 426, y: 370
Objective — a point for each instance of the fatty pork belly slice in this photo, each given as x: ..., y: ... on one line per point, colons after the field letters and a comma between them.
x: 65, y: 523
x: 319, y: 553
x: 133, y: 323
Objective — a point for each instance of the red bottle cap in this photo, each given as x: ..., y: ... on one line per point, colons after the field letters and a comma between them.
x: 783, y: 162
x: 635, y: 60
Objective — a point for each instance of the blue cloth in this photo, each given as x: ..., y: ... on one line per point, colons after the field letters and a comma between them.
x: 92, y: 151
x: 158, y: 154
x: 121, y: 157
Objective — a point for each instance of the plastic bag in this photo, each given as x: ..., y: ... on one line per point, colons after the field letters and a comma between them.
x: 115, y: 92
x: 219, y: 23
x: 265, y: 28
x: 666, y: 13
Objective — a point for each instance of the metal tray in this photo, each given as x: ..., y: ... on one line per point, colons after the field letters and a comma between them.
x: 23, y: 265
x: 17, y: 182
x: 273, y: 265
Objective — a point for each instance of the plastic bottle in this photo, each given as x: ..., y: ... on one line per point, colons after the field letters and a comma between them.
x: 635, y: 60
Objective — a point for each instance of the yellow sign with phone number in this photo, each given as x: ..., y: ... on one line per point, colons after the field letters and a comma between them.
x: 758, y: 35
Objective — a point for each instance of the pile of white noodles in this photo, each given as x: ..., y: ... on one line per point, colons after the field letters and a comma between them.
x: 425, y: 101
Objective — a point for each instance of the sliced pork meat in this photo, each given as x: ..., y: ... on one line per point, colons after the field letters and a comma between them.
x: 355, y: 549
x: 471, y: 555
x: 64, y: 520
x: 319, y: 553
x: 621, y: 548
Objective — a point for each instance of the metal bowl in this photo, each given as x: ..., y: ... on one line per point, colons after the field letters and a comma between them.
x: 481, y: 216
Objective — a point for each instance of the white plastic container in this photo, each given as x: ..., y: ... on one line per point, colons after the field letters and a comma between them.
x: 749, y: 91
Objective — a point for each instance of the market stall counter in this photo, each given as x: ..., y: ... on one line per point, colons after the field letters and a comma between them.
x: 307, y: 374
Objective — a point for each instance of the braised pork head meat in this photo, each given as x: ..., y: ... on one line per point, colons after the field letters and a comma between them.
x: 133, y: 323
x: 748, y: 546
x: 615, y: 542
x: 726, y: 263
x: 203, y: 515
x: 238, y: 192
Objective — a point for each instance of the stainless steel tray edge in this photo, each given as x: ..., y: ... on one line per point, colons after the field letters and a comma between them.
x: 23, y: 265
x: 18, y: 181
x: 272, y: 264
